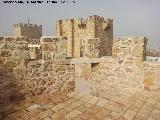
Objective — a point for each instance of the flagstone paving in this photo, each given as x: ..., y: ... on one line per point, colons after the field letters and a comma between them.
x: 77, y: 106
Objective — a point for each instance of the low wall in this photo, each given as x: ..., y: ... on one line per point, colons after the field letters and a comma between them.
x: 46, y: 77
x: 152, y: 76
x: 14, y: 48
x: 83, y: 71
x: 33, y: 78
x: 124, y: 71
x: 113, y: 76
x: 26, y: 81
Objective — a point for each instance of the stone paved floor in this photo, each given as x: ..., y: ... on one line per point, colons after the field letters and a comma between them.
x: 79, y: 106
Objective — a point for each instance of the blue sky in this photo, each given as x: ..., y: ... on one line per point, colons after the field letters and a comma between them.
x: 131, y: 17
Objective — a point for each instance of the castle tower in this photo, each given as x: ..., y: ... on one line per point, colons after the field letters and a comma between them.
x: 27, y: 30
x: 77, y: 30
x: 66, y: 28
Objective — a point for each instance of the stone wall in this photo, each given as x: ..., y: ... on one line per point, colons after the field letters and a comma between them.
x: 152, y: 59
x: 27, y: 30
x: 152, y: 76
x: 84, y: 28
x: 24, y: 75
x: 110, y: 77
x: 153, y: 53
x: 123, y: 71
x: 104, y: 31
x: 131, y: 48
x: 90, y: 48
x: 12, y: 51
x: 83, y: 71
x: 39, y: 77
x: 79, y: 29
x: 11, y: 91
x: 29, y: 81
x: 68, y: 31
x: 22, y: 78
x: 35, y: 78
x: 54, y: 48
x: 35, y: 51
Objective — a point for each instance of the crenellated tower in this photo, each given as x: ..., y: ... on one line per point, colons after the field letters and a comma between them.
x: 27, y: 30
x: 78, y: 30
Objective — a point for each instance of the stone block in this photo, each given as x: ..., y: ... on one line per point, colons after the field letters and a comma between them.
x: 116, y: 50
x: 129, y: 115
x: 10, y: 64
x: 33, y: 107
x: 148, y: 78
x: 71, y: 85
x: 2, y: 60
x: 5, y: 53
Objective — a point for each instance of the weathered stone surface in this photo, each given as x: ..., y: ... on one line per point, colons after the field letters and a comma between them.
x: 151, y: 76
x: 148, y: 78
x: 128, y: 70
x: 81, y: 29
x: 50, y: 77
x: 27, y: 30
x: 21, y: 55
x: 129, y: 115
x: 54, y: 48
x: 137, y: 51
x: 5, y: 54
x: 116, y: 50
x: 10, y: 64
x: 126, y: 67
x: 2, y: 60
x: 90, y: 48
x: 32, y: 107
x: 32, y: 69
x: 83, y: 71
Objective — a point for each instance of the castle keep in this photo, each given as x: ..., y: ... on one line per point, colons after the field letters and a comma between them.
x: 51, y: 73
x: 78, y: 31
x: 27, y: 30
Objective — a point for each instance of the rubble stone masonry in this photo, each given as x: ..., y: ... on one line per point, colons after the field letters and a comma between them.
x: 90, y: 48
x: 21, y: 77
x: 125, y: 70
x: 54, y: 48
x: 15, y: 54
x: 84, y: 49
x: 77, y: 30
x: 152, y: 76
x: 13, y: 50
x: 27, y: 30
x: 49, y: 77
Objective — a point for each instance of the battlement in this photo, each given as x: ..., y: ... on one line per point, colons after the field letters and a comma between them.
x: 141, y: 39
x: 52, y: 38
x: 11, y: 38
x: 33, y: 31
x: 27, y: 25
x: 81, y: 28
x: 48, y: 39
x: 7, y: 38
x: 21, y: 39
x: 1, y: 38
x: 94, y: 17
x: 65, y: 20
x: 133, y: 48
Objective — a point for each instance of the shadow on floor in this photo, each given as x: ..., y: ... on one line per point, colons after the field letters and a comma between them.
x: 11, y: 95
